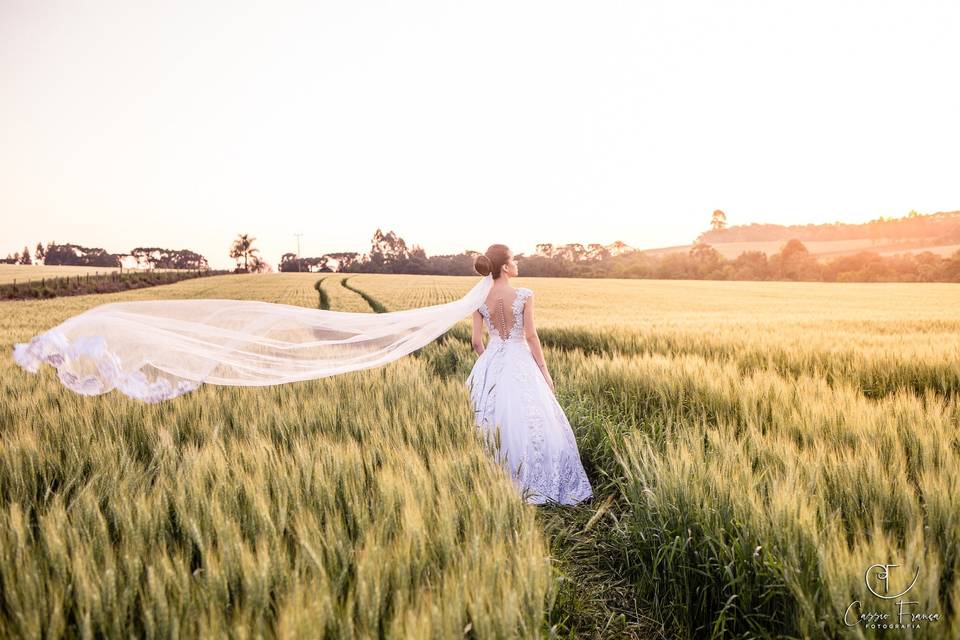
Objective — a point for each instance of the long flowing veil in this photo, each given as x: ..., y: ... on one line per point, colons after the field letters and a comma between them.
x: 154, y: 350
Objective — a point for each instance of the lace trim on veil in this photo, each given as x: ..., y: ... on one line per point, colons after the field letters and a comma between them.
x: 54, y: 348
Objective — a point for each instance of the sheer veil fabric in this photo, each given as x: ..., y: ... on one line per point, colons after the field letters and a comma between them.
x: 155, y: 350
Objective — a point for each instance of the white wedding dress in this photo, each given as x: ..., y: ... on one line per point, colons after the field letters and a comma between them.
x: 536, y: 443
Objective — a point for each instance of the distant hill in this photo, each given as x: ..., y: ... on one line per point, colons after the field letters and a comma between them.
x: 938, y: 233
x: 935, y: 228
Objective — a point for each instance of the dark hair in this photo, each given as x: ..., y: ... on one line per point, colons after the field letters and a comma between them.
x: 492, y: 260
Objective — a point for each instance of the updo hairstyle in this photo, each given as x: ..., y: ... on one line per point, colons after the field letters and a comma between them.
x: 492, y: 260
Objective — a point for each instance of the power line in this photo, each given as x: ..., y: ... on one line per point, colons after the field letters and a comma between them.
x: 298, y: 250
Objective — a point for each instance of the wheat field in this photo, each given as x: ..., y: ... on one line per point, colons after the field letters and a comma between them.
x: 753, y: 447
x: 24, y: 273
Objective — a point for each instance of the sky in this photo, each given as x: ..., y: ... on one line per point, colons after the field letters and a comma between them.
x: 458, y: 125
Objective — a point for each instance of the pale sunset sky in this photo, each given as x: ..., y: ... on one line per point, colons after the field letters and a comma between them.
x: 181, y: 124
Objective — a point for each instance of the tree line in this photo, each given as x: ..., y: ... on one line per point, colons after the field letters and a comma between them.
x: 78, y: 255
x: 792, y: 262
x: 389, y: 253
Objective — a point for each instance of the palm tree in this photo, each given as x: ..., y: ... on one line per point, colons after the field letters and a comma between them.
x: 259, y: 265
x: 243, y: 248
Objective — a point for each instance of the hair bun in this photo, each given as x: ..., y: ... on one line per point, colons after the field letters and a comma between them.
x: 483, y: 265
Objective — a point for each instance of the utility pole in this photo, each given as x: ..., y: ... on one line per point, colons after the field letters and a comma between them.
x: 298, y: 250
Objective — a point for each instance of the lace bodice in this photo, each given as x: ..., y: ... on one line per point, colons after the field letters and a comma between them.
x: 497, y: 320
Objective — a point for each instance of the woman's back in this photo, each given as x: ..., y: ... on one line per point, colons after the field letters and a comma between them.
x: 503, y: 311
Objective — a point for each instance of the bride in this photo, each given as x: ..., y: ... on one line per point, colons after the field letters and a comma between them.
x: 513, y: 394
x: 157, y: 350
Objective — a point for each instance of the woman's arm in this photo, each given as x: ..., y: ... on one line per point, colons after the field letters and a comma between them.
x: 533, y: 339
x: 478, y: 332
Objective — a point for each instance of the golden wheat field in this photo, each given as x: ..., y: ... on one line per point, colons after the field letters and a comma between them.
x: 23, y: 273
x: 754, y: 449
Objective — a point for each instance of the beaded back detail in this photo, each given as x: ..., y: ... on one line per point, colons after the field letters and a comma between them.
x: 498, y: 317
